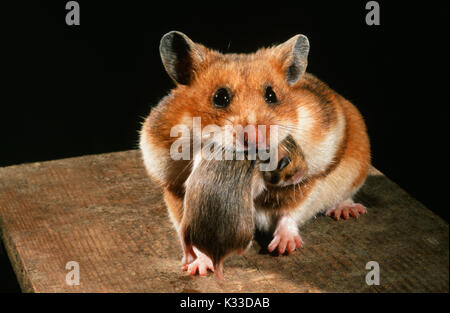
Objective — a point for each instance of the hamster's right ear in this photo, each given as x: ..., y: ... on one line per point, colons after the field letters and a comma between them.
x: 293, y: 54
x: 180, y: 56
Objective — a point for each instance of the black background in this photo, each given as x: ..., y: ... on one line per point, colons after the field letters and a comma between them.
x: 76, y: 90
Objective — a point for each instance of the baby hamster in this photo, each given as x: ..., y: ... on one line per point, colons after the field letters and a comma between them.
x: 218, y: 209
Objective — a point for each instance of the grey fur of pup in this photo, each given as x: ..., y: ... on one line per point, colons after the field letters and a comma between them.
x: 218, y: 209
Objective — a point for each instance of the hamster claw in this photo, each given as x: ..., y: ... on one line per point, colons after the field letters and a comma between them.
x: 201, y: 265
x: 285, y: 237
x: 345, y: 209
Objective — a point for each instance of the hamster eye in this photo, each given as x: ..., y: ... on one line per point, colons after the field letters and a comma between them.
x: 221, y: 98
x: 270, y: 96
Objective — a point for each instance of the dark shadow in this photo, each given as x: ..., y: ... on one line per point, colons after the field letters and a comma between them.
x: 9, y: 283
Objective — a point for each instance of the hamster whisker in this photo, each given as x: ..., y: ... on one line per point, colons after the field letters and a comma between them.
x: 287, y: 149
x: 213, y: 115
x: 184, y: 169
x: 289, y: 127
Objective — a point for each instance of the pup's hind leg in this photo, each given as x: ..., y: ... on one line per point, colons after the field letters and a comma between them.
x: 196, y: 261
x: 346, y: 209
x: 193, y: 260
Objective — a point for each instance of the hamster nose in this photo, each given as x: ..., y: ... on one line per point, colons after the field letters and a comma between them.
x: 257, y: 141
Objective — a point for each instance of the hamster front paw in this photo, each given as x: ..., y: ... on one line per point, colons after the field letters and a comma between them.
x: 288, y: 172
x: 291, y: 168
x: 286, y: 236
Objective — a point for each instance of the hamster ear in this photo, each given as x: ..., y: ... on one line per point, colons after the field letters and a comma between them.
x: 180, y: 55
x: 294, y: 56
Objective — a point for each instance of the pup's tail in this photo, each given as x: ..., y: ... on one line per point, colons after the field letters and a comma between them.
x: 218, y: 270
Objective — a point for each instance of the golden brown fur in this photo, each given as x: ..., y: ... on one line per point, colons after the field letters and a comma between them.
x: 333, y: 146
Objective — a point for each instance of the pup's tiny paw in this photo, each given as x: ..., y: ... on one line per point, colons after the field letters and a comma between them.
x: 188, y: 258
x: 345, y: 209
x: 200, y: 265
x: 285, y: 237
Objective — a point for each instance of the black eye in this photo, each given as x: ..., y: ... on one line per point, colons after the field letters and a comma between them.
x: 221, y: 98
x: 270, y: 95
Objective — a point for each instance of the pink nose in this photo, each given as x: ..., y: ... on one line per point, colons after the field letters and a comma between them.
x: 257, y: 140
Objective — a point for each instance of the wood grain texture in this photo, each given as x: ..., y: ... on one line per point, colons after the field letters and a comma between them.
x: 105, y: 213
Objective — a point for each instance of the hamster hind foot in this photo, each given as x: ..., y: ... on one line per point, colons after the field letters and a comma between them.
x: 346, y: 209
x: 196, y: 261
x: 286, y: 236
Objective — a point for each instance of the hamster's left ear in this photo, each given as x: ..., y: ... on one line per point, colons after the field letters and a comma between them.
x: 180, y: 56
x: 294, y: 57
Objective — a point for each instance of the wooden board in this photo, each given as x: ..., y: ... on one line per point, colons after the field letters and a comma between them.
x: 103, y: 212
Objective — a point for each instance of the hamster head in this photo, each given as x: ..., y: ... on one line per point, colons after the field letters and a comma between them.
x: 236, y: 92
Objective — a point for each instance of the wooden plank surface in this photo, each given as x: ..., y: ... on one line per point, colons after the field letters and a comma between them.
x: 103, y: 212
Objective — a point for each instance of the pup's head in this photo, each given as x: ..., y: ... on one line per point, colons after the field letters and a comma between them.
x: 236, y: 92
